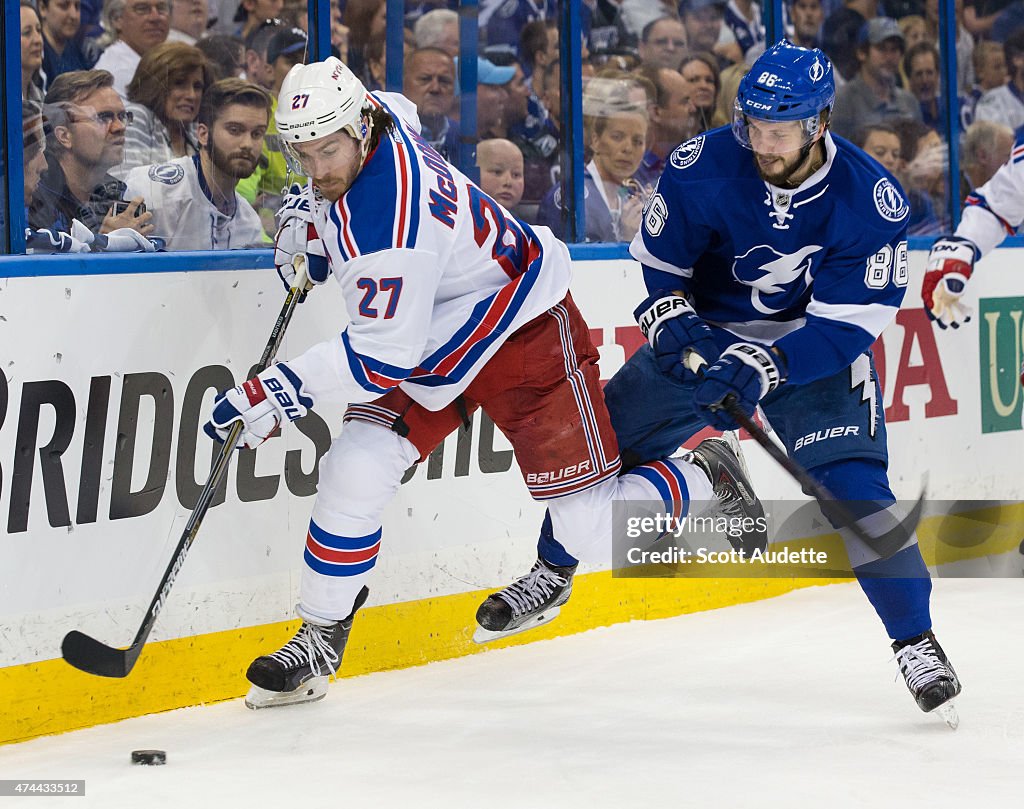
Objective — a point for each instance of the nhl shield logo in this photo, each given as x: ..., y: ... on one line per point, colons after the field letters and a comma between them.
x: 686, y: 154
x: 890, y: 202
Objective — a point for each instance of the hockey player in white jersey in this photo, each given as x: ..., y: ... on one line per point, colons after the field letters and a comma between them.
x: 452, y: 304
x: 193, y: 199
x: 991, y: 213
x: 777, y: 253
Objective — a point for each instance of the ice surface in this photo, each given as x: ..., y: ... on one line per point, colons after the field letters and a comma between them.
x: 791, y: 702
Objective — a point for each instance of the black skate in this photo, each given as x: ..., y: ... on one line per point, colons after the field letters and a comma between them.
x: 530, y: 601
x: 300, y: 670
x: 929, y: 675
x: 724, y: 467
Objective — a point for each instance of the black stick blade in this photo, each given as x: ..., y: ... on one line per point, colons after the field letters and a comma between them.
x: 89, y: 655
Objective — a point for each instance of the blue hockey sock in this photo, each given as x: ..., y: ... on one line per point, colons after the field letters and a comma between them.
x: 899, y: 589
x: 550, y: 549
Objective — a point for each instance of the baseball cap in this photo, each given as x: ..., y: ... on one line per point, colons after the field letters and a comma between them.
x: 876, y: 31
x: 489, y: 73
x: 284, y: 42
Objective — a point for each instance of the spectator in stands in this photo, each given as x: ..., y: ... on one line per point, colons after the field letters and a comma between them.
x: 1003, y: 105
x: 672, y: 119
x: 224, y: 54
x: 189, y: 19
x: 635, y: 15
x: 700, y: 70
x: 257, y: 69
x: 615, y: 131
x: 164, y: 97
x: 31, y: 56
x: 743, y: 19
x: 921, y: 67
x: 840, y: 35
x: 884, y: 143
x: 251, y: 13
x: 86, y: 122
x: 439, y: 29
x: 989, y: 72
x: 872, y: 96
x: 984, y: 148
x: 501, y: 21
x: 264, y: 187
x: 538, y: 47
x: 63, y: 45
x: 429, y: 82
x: 914, y: 29
x: 550, y: 95
x: 135, y: 26
x: 33, y: 149
x: 501, y: 171
x: 367, y: 23
x: 980, y: 15
x: 807, y: 17
x: 706, y: 32
x: 197, y: 206
x: 964, y: 41
x: 924, y: 177
x: 492, y: 99
x: 663, y: 43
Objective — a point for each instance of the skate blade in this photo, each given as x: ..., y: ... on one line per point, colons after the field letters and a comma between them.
x: 310, y: 691
x: 948, y: 713
x: 486, y: 635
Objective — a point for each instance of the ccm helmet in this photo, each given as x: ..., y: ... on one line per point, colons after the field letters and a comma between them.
x: 786, y: 83
x: 318, y: 100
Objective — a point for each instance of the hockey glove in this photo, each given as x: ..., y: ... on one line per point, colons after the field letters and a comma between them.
x: 950, y: 264
x: 745, y: 371
x: 262, y: 404
x: 296, y: 233
x: 674, y: 330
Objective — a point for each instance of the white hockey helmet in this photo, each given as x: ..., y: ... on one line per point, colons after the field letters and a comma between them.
x: 320, y: 99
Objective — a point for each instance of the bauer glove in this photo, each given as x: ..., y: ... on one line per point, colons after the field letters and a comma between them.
x: 745, y: 371
x: 950, y: 264
x: 674, y: 330
x: 296, y: 234
x: 261, y: 404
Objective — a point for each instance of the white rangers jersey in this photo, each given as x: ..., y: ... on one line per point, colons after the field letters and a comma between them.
x: 436, y: 274
x: 183, y: 212
x: 995, y: 210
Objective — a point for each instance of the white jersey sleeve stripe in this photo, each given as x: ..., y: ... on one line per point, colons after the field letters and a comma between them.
x: 871, y: 317
x: 639, y: 251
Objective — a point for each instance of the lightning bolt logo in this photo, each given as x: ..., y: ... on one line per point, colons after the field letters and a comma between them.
x: 862, y: 376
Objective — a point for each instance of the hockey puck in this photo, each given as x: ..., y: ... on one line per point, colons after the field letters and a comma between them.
x: 149, y: 757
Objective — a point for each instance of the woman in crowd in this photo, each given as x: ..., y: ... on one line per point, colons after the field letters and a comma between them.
x: 163, y: 98
x: 31, y: 57
x: 615, y: 130
x: 701, y: 72
x: 63, y: 45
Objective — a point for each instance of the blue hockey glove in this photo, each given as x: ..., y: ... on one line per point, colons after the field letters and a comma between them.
x: 673, y: 330
x: 747, y: 372
x: 261, y: 404
x: 296, y: 233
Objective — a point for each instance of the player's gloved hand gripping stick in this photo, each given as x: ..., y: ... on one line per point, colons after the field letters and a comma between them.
x: 838, y: 514
x: 88, y: 654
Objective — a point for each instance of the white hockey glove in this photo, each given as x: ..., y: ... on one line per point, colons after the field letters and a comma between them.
x: 262, y: 404
x: 296, y: 233
x: 950, y: 265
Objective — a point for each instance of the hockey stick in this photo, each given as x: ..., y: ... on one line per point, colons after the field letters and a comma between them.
x: 885, y: 545
x: 88, y: 654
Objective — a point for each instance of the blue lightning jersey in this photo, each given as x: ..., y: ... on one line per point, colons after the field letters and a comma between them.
x: 819, y: 270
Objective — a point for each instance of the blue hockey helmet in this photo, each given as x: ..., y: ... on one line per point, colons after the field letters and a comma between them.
x: 786, y: 83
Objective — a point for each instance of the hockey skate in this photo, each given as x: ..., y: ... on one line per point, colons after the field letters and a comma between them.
x: 722, y: 462
x: 530, y: 601
x: 929, y: 675
x: 300, y: 670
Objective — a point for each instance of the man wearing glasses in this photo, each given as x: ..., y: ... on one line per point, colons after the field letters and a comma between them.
x: 139, y: 25
x: 86, y: 122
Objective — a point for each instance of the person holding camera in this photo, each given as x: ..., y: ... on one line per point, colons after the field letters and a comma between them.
x: 86, y: 122
x: 197, y: 206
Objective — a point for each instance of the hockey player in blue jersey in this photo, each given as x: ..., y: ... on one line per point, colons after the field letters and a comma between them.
x: 776, y: 253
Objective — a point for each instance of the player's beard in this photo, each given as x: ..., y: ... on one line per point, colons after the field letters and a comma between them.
x: 238, y: 165
x: 782, y: 167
